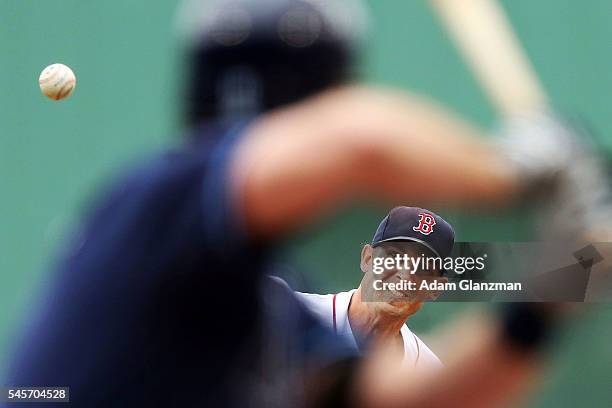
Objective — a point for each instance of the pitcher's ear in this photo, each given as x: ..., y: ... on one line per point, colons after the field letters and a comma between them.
x: 366, y: 258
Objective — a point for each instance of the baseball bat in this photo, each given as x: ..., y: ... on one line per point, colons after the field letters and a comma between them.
x: 483, y: 34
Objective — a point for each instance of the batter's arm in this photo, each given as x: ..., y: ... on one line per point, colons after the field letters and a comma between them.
x: 361, y: 143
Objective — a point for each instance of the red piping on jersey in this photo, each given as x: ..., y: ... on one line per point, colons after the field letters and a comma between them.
x: 334, y: 312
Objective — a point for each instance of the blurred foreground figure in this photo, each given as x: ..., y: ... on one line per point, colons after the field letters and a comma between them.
x: 158, y: 298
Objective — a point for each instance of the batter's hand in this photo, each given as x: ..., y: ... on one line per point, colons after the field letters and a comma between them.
x: 580, y: 205
x: 538, y: 145
x: 562, y: 173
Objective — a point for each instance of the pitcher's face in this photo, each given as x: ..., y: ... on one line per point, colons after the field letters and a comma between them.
x: 395, y: 272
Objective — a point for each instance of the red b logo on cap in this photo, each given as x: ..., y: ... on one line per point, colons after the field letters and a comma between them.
x: 426, y: 223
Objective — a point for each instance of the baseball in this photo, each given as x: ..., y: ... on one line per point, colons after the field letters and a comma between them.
x: 57, y: 81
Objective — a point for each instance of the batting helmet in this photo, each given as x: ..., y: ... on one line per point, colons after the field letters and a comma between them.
x: 245, y: 57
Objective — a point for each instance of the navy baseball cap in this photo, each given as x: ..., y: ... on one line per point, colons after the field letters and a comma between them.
x: 417, y: 225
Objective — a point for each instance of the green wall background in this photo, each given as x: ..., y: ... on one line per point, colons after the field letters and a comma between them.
x: 53, y: 155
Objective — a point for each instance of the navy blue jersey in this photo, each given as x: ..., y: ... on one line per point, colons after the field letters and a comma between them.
x: 158, y: 301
